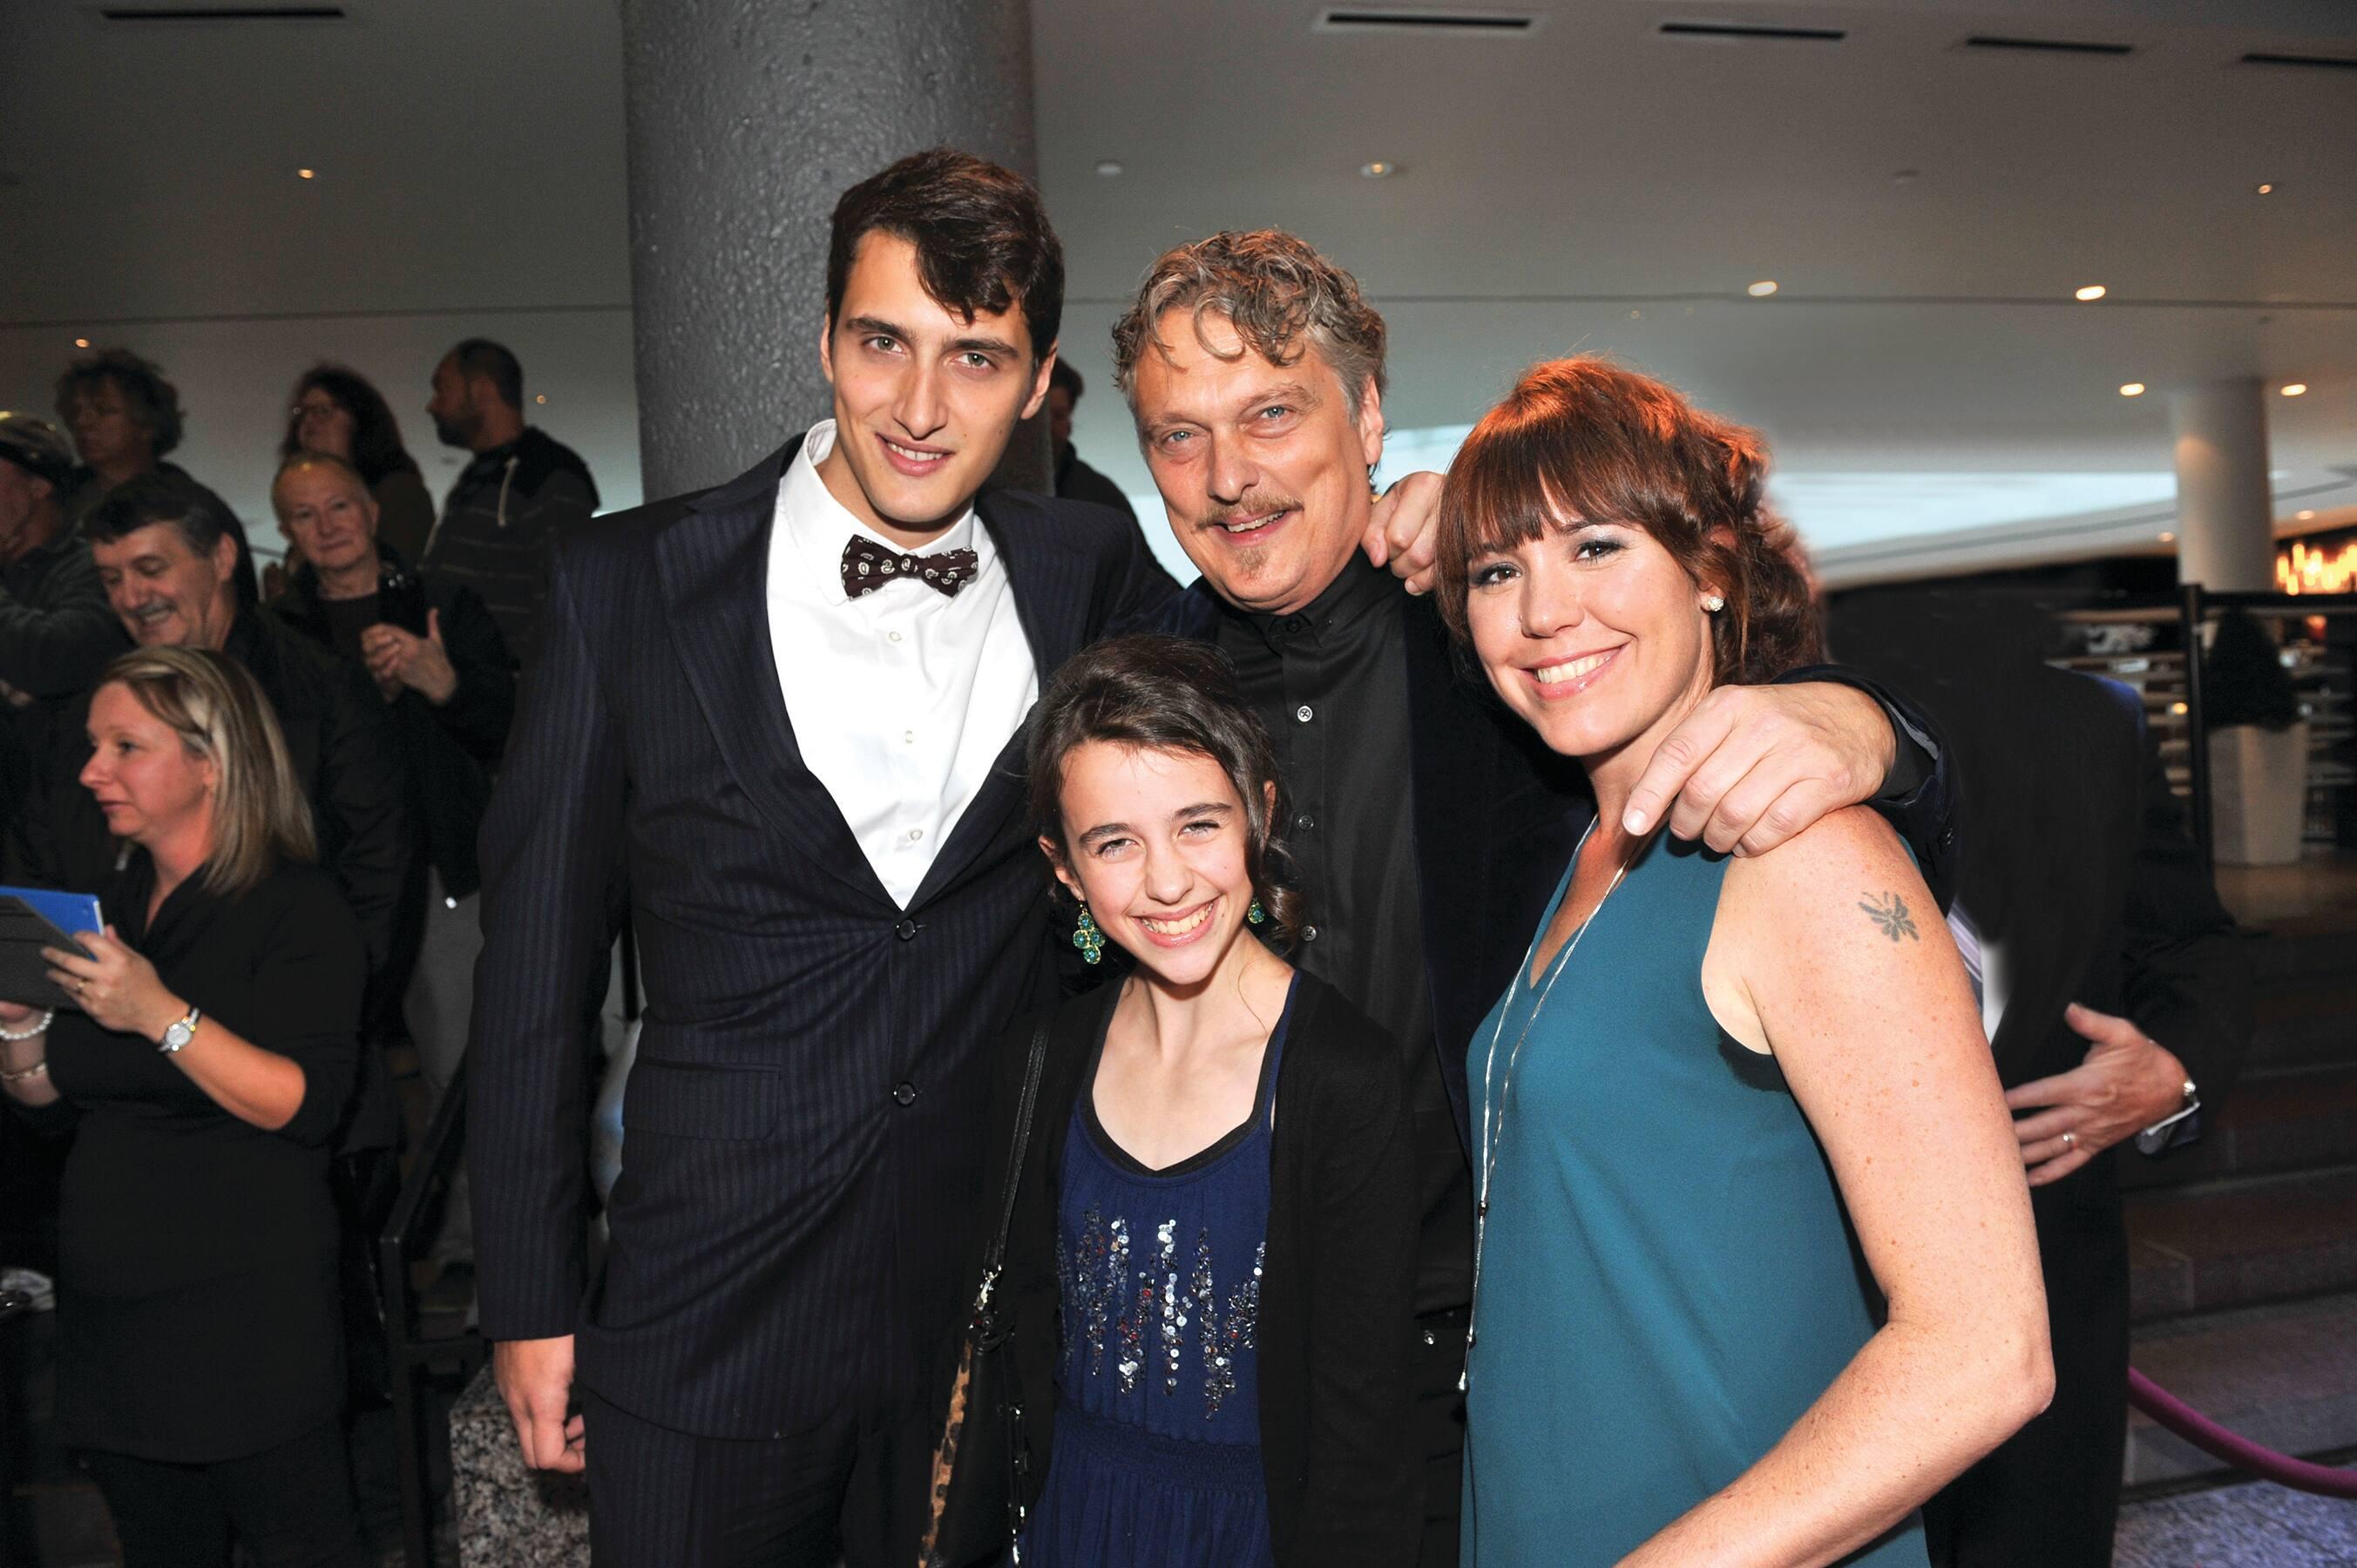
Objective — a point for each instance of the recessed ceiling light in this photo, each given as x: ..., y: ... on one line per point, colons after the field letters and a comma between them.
x: 1109, y: 168
x: 1379, y: 169
x: 2293, y: 389
x: 2304, y: 516
x: 2092, y: 291
x: 2132, y: 389
x: 2266, y: 190
x: 540, y: 397
x: 81, y: 342
x: 2168, y: 539
x: 307, y: 174
x: 1761, y: 289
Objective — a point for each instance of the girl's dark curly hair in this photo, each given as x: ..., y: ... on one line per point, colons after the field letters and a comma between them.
x: 1167, y: 693
x: 1584, y: 439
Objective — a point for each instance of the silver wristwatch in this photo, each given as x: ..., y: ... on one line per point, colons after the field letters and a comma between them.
x: 180, y: 1033
x: 2171, y: 1131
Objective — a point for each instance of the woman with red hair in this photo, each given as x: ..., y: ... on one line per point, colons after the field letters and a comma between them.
x: 1754, y: 1268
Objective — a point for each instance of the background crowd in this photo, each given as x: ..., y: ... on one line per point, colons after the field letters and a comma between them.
x: 385, y: 645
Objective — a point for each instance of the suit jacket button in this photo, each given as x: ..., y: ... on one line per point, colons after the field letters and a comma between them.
x: 906, y: 931
x: 904, y: 1093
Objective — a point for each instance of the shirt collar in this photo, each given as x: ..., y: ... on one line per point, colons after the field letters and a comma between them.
x: 1362, y: 589
x: 819, y: 526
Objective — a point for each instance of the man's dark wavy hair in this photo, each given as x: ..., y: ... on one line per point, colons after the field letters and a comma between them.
x: 982, y: 235
x: 189, y: 511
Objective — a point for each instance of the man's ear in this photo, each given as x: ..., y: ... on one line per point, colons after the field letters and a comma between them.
x: 1039, y: 379
x: 826, y: 349
x: 225, y: 556
x: 1371, y: 422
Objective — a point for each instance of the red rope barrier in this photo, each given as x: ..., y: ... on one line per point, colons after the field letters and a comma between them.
x: 2240, y: 1452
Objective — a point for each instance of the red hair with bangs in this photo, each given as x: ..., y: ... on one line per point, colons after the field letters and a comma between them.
x: 1582, y: 439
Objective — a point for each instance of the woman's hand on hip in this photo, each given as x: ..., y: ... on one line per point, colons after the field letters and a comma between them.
x: 117, y: 987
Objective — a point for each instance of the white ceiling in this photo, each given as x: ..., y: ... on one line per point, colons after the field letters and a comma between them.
x: 1594, y: 185
x: 1934, y: 394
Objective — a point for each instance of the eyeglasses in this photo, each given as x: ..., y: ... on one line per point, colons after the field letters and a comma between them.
x: 321, y: 410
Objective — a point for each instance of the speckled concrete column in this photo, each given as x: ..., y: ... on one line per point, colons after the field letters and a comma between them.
x: 748, y: 119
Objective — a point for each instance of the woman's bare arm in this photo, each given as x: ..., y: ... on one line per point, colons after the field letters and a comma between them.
x: 1829, y: 952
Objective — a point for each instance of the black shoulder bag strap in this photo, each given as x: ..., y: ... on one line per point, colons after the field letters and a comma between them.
x: 964, y: 1470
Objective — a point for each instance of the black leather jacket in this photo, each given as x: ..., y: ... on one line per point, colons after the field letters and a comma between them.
x: 452, y: 751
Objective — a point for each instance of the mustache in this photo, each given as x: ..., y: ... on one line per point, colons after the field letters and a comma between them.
x: 1253, y: 503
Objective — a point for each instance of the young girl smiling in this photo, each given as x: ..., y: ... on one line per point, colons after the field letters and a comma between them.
x: 1221, y: 1142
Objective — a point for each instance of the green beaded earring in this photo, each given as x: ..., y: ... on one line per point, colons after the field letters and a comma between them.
x: 1088, y: 939
x: 1256, y: 914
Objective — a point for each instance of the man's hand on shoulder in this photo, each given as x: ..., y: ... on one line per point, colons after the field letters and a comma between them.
x: 1404, y: 532
x: 1752, y: 766
x: 535, y: 1378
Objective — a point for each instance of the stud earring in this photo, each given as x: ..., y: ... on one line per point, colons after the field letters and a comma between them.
x: 1256, y: 914
x: 1088, y: 938
x: 1714, y: 603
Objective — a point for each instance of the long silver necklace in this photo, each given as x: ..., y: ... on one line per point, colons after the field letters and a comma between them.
x: 1493, y: 1109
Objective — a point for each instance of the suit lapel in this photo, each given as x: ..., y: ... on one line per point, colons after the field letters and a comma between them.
x: 714, y: 566
x: 1049, y: 581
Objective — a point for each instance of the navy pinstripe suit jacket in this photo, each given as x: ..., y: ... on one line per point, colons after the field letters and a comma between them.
x: 805, y: 1114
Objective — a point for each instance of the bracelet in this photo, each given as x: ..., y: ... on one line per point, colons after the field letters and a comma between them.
x: 49, y: 1017
x: 39, y: 1069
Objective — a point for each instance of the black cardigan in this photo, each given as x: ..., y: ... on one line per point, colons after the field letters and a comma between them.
x: 1337, y: 1291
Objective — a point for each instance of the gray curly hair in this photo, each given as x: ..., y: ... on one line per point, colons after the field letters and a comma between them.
x: 1279, y: 294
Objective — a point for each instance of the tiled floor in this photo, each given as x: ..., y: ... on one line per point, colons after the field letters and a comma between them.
x: 2255, y: 1526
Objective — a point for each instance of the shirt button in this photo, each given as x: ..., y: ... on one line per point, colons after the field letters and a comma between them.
x: 906, y: 931
x: 909, y: 736
x: 1308, y: 933
x: 1296, y: 624
x: 891, y: 636
x: 1304, y: 823
x: 1304, y: 713
x: 904, y: 1094
x: 916, y: 834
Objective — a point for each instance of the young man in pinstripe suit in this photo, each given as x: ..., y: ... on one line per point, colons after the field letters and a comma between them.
x: 783, y: 714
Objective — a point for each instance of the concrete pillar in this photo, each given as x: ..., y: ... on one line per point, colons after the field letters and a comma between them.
x: 2225, y: 528
x: 746, y: 119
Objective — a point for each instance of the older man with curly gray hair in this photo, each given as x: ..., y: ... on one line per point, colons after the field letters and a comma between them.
x: 1426, y: 837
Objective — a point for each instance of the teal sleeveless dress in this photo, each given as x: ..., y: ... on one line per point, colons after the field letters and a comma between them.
x: 1668, y: 1277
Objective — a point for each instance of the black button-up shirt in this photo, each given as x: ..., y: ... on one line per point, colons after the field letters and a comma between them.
x: 1331, y: 683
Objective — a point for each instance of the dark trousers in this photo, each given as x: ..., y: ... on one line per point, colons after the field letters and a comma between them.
x: 1439, y: 1364
x: 846, y: 1491
x: 2051, y: 1494
x: 289, y: 1506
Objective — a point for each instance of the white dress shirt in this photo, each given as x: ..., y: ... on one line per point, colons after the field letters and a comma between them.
x: 902, y: 698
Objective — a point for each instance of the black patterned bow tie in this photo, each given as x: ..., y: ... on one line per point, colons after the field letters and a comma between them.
x: 867, y: 566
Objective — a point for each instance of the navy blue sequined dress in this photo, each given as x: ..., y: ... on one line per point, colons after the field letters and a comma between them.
x: 1156, y: 1461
